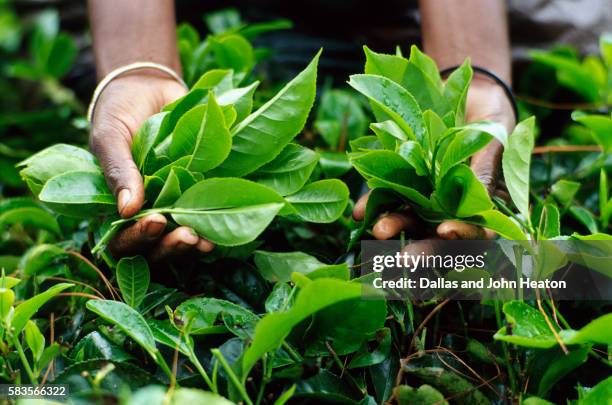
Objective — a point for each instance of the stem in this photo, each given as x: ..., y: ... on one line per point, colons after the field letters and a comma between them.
x: 194, y: 360
x: 24, y: 360
x: 164, y: 366
x: 505, y: 348
x: 294, y: 355
x: 232, y: 376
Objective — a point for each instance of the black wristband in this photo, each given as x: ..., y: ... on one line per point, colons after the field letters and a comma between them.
x: 496, y: 79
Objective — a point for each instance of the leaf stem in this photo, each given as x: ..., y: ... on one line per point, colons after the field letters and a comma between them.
x: 24, y: 359
x: 194, y: 360
x: 159, y: 359
x: 232, y: 376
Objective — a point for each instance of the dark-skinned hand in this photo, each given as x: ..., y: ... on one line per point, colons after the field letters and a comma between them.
x: 122, y: 108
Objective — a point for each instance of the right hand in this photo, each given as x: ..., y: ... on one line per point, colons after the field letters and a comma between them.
x: 122, y: 108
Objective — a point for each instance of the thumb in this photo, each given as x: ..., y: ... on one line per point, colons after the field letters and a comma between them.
x: 109, y: 142
x: 485, y: 165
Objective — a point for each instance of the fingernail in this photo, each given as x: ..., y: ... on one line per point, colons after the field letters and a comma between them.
x: 154, y: 229
x: 125, y: 195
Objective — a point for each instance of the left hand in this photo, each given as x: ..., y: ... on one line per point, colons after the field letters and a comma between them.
x: 486, y: 102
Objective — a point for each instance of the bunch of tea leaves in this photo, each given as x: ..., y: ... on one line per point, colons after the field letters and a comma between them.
x: 422, y: 140
x: 207, y: 160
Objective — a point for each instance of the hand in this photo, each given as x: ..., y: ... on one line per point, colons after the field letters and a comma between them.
x: 486, y: 101
x: 122, y: 108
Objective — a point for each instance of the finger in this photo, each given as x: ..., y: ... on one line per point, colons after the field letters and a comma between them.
x: 489, y: 234
x: 453, y: 230
x: 360, y: 207
x: 485, y: 164
x: 392, y: 224
x: 110, y: 143
x: 139, y: 236
x: 205, y: 246
x: 180, y: 241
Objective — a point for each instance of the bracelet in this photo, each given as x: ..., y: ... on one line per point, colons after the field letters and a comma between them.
x: 496, y: 79
x: 123, y: 70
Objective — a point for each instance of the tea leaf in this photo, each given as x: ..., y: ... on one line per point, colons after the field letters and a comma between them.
x: 145, y: 137
x: 273, y: 328
x: 386, y: 169
x: 166, y: 334
x: 214, y: 140
x: 227, y: 211
x: 205, y: 313
x: 126, y: 319
x: 34, y: 339
x: 277, y: 267
x: 392, y: 102
x: 133, y: 279
x: 455, y: 92
x: 516, y: 163
x: 25, y: 310
x: 461, y: 194
x: 170, y: 191
x: 289, y: 171
x: 321, y: 202
x: 79, y: 194
x: 261, y: 136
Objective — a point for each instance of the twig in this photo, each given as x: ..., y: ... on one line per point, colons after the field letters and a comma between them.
x: 550, y: 325
x: 52, y: 339
x: 559, y: 106
x: 565, y: 148
x: 79, y: 283
x: 404, y: 361
x: 107, y: 283
x: 78, y: 294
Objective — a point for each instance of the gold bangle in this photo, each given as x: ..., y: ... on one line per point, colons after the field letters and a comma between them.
x: 123, y: 70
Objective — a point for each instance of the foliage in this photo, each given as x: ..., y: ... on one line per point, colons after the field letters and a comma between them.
x: 276, y: 312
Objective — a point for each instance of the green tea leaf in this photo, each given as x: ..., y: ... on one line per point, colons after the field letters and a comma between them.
x: 261, y: 136
x: 323, y: 201
x: 34, y: 339
x: 393, y: 102
x: 273, y: 328
x: 227, y: 211
x: 601, y: 127
x: 389, y: 134
x: 516, y: 163
x: 166, y: 334
x: 414, y: 154
x: 233, y: 52
x: 550, y: 226
x: 145, y: 138
x: 55, y: 160
x: 79, y: 194
x: 27, y: 309
x: 424, y: 395
x: 461, y: 194
x: 126, y: 319
x: 133, y: 279
x: 34, y: 217
x: 214, y: 140
x: 386, y: 169
x: 206, y: 313
x: 499, y: 223
x: 456, y: 90
x: 289, y: 171
x: 170, y: 192
x: 277, y: 266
